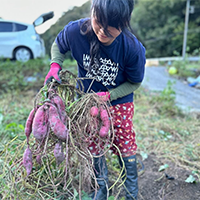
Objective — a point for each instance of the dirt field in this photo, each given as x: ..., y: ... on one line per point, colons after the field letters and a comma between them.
x: 164, y: 185
x: 154, y: 185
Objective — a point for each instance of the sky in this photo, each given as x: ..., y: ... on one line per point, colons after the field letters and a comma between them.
x: 28, y: 10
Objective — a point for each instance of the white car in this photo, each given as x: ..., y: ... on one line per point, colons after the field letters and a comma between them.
x: 20, y: 41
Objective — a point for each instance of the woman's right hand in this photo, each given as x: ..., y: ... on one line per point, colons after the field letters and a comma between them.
x: 105, y: 96
x: 53, y: 73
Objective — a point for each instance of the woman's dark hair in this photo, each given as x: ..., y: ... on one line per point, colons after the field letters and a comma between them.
x: 115, y: 13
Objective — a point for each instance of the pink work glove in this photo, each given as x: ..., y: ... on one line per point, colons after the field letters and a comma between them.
x: 53, y: 73
x: 104, y: 95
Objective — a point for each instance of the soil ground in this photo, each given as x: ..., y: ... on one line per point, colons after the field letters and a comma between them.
x: 154, y: 185
x: 164, y: 185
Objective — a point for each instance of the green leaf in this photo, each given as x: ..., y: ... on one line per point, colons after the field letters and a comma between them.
x: 11, y: 125
x: 163, y: 167
x: 85, y: 196
x: 144, y: 155
x: 75, y: 193
x: 190, y: 179
x: 22, y: 137
x: 21, y: 126
x: 111, y: 198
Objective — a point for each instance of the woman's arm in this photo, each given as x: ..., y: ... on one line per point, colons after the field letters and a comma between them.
x: 123, y: 90
x: 56, y: 56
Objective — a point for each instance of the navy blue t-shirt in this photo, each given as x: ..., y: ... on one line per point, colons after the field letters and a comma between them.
x: 123, y: 60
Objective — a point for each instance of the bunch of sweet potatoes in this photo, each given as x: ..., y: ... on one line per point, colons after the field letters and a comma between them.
x: 49, y: 115
x: 43, y: 119
x: 87, y: 116
x: 103, y: 119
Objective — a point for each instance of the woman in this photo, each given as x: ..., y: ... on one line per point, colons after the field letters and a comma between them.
x: 107, y: 51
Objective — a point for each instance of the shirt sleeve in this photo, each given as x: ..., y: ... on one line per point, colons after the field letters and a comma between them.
x: 56, y: 56
x: 62, y: 39
x: 135, y: 62
x: 123, y: 90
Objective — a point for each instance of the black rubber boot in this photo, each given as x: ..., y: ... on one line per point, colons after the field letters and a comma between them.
x: 101, y: 172
x: 131, y: 182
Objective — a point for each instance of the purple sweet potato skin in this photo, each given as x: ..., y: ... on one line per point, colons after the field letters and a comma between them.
x: 58, y: 153
x: 94, y: 111
x: 105, y: 123
x: 103, y: 131
x: 27, y: 161
x: 57, y: 126
x: 58, y: 102
x: 39, y: 127
x: 29, y: 122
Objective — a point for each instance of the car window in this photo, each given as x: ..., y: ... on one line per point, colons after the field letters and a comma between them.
x: 6, y: 27
x: 19, y: 27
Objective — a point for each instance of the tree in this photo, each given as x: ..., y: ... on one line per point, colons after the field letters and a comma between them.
x: 160, y: 24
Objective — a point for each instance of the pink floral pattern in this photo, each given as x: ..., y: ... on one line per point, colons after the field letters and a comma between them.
x: 124, y: 131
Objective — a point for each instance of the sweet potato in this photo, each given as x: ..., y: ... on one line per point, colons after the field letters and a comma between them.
x: 27, y: 161
x: 57, y: 100
x: 58, y: 153
x: 29, y: 122
x: 105, y: 122
x: 56, y: 124
x: 40, y: 124
x: 94, y: 111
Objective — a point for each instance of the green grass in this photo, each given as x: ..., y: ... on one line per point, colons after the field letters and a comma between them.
x: 161, y: 128
x: 185, y: 68
x: 173, y: 135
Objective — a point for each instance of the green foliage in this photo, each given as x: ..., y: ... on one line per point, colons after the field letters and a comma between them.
x: 156, y: 130
x: 83, y: 197
x: 153, y: 129
x: 70, y: 65
x: 160, y: 25
x: 185, y: 68
x: 144, y: 155
x: 165, y: 135
x: 18, y: 76
x: 190, y: 179
x: 165, y: 101
x: 15, y: 75
x: 163, y: 167
x: 13, y: 129
x: 14, y: 110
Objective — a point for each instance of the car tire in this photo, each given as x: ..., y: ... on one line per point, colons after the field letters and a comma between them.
x: 22, y: 54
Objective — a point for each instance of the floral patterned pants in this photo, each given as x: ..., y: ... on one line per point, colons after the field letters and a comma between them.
x: 124, y: 132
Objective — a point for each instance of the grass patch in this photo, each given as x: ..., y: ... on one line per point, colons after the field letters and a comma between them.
x: 161, y: 128
x: 171, y: 135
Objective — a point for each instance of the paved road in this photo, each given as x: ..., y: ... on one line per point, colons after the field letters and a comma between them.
x: 187, y: 98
